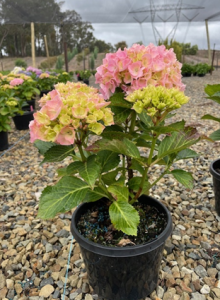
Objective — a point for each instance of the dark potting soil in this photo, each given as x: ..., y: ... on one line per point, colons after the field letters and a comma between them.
x: 96, y: 226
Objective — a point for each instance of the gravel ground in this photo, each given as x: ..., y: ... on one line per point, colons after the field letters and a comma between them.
x: 34, y: 253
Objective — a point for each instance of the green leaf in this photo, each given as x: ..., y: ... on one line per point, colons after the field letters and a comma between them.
x: 146, y: 119
x: 57, y: 153
x: 170, y: 128
x: 135, y: 182
x: 211, y: 89
x: 66, y: 194
x: 117, y: 99
x: 42, y: 146
x: 4, y: 111
x: 108, y: 160
x: 125, y: 147
x: 120, y: 192
x: 142, y: 143
x: 62, y: 172
x: 178, y: 141
x: 94, y: 195
x: 186, y: 153
x: 124, y: 217
x: 215, y: 136
x: 185, y: 178
x: 109, y: 178
x: 73, y: 168
x: 210, y: 117
x: 135, y: 165
x: 90, y: 170
x: 120, y: 113
x: 113, y: 128
x: 116, y: 135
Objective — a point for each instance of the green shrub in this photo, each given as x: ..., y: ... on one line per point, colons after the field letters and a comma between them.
x: 79, y: 58
x: 92, y: 63
x: 187, y: 69
x: 48, y: 63
x: 59, y: 63
x: 20, y: 63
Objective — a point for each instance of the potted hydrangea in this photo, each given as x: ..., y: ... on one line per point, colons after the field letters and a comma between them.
x: 46, y: 82
x: 213, y: 93
x: 113, y: 147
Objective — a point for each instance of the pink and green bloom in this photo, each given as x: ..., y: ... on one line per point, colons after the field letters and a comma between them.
x: 68, y: 112
x: 137, y: 67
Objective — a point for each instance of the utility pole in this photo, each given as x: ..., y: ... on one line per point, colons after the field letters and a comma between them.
x: 208, y: 41
x: 46, y: 46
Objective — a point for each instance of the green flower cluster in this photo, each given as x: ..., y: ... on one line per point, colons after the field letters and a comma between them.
x: 155, y: 100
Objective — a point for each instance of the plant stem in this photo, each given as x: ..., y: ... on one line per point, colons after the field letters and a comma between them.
x: 81, y: 152
x: 103, y: 187
x: 133, y: 121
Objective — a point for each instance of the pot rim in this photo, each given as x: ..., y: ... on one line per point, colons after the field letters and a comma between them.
x: 124, y: 251
x: 215, y: 164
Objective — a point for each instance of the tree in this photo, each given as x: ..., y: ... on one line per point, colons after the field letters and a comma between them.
x: 102, y: 46
x: 121, y: 45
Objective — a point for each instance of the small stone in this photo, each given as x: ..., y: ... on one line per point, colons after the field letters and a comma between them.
x: 197, y: 296
x: 2, y: 281
x: 184, y: 296
x: 46, y: 291
x: 3, y: 292
x: 201, y: 271
x: 88, y: 297
x: 10, y: 284
x: 160, y: 292
x: 212, y: 272
x: 18, y: 288
x: 56, y: 294
x: 49, y: 247
x: 205, y: 289
x: 85, y: 287
x: 217, y: 238
x: 79, y: 297
x: 217, y: 292
x: 46, y: 281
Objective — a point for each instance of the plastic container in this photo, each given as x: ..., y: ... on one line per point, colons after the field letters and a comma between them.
x: 3, y: 140
x: 216, y: 183
x: 22, y: 121
x: 128, y: 273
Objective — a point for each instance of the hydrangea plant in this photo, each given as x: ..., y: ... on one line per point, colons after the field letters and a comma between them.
x: 114, y: 144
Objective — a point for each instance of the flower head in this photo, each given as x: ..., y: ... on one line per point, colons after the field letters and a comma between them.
x: 16, y: 81
x: 137, y: 67
x: 67, y: 110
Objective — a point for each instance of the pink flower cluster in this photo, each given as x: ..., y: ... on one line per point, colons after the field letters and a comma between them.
x: 137, y: 67
x: 44, y: 75
x: 34, y: 70
x: 16, y: 81
x: 69, y: 109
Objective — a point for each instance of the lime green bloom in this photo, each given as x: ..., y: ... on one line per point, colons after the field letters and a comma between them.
x: 96, y: 127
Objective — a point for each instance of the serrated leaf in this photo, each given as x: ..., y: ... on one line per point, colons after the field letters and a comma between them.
x: 108, y: 160
x: 186, y: 153
x: 66, y: 194
x: 113, y: 128
x: 211, y: 89
x: 120, y: 192
x: 210, y: 117
x: 215, y: 136
x: 170, y: 128
x: 125, y: 147
x: 94, y: 195
x: 42, y: 146
x: 109, y: 177
x: 73, y: 168
x: 124, y: 217
x: 135, y: 165
x: 185, y: 178
x: 90, y: 170
x: 120, y: 113
x: 142, y: 143
x: 62, y: 172
x: 116, y: 135
x: 146, y: 119
x: 134, y: 184
x: 178, y: 141
x: 57, y: 153
x: 117, y: 99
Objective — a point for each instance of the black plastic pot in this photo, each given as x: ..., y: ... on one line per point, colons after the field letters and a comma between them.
x: 3, y: 140
x: 22, y: 121
x: 44, y: 92
x: 201, y: 75
x: 79, y: 78
x: 186, y: 74
x: 31, y: 103
x: 86, y: 81
x: 128, y: 273
x: 214, y: 170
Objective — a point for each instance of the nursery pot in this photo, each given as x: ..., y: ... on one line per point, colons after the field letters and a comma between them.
x: 215, y: 171
x: 44, y: 92
x: 22, y: 121
x: 86, y: 81
x: 186, y: 74
x: 3, y: 140
x: 127, y: 273
x: 31, y: 103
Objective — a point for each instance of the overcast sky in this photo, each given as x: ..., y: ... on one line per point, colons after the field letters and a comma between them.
x: 194, y: 33
x: 114, y: 12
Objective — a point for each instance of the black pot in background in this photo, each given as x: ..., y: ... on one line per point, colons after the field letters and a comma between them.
x: 22, y: 121
x: 186, y: 74
x: 201, y: 75
x: 44, y: 92
x: 86, y: 81
x: 79, y: 78
x: 3, y: 140
x: 129, y: 273
x: 31, y: 103
x: 214, y: 167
